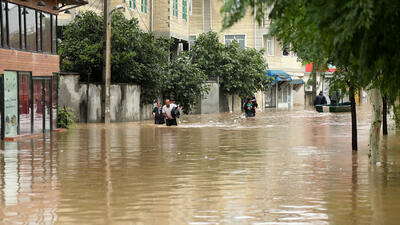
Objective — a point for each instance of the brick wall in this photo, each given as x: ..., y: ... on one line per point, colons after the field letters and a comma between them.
x: 39, y: 64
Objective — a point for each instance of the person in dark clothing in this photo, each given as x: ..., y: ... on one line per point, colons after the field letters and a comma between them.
x: 248, y: 108
x: 320, y: 99
x: 255, y: 105
x: 157, y: 114
x: 175, y: 109
x: 334, y: 97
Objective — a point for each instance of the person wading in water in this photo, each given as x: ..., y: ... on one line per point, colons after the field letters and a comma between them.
x: 167, y: 109
x: 248, y: 108
x: 158, y: 114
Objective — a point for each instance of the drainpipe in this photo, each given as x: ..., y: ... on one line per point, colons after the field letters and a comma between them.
x: 152, y: 16
x: 255, y: 29
x: 203, y: 15
x: 276, y: 95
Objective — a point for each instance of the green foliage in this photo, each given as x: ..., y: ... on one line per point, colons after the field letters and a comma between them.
x: 240, y: 71
x: 244, y: 71
x: 396, y: 116
x: 65, y: 117
x: 184, y: 82
x: 81, y: 48
x: 136, y: 56
x: 207, y: 53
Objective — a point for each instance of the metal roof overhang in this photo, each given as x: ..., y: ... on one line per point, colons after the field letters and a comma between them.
x: 278, y: 75
x: 70, y: 4
x: 296, y: 81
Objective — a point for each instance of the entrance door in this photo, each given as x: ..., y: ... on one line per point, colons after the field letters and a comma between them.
x: 42, y: 104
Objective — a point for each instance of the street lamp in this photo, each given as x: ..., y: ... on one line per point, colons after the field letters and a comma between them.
x: 118, y: 7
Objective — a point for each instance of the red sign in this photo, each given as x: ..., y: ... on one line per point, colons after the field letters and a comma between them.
x: 310, y: 66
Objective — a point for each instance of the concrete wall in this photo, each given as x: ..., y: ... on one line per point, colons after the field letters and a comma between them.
x: 73, y: 95
x: 146, y: 112
x: 86, y: 102
x: 210, y: 102
x: 237, y: 103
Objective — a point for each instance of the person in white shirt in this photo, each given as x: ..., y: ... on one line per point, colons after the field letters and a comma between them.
x: 166, y: 110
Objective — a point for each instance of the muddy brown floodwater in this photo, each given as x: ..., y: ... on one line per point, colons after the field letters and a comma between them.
x: 286, y: 167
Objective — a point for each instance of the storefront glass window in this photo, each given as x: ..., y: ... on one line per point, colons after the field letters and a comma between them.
x: 47, y: 98
x: 53, y: 34
x: 30, y: 29
x: 4, y: 24
x: 24, y: 102
x: 22, y: 13
x: 54, y: 101
x: 13, y: 25
x: 46, y: 32
x: 25, y: 28
x: 37, y: 106
x: 39, y: 31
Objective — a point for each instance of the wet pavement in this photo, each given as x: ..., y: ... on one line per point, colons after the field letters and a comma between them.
x: 282, y: 167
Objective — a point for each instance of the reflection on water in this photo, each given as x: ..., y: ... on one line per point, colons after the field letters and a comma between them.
x: 278, y: 168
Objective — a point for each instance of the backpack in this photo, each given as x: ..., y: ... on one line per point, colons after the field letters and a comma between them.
x: 175, y: 113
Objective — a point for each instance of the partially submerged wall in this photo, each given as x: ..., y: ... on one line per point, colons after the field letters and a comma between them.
x: 87, y: 105
x: 210, y: 102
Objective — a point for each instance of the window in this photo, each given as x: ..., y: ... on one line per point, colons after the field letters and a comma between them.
x: 4, y: 36
x: 46, y: 32
x: 270, y: 47
x: 175, y: 8
x: 144, y: 6
x: 30, y: 29
x: 192, y: 41
x: 38, y: 31
x: 13, y: 25
x: 286, y: 50
x: 184, y: 10
x: 23, y: 31
x: 54, y: 34
x: 241, y: 39
x: 132, y: 4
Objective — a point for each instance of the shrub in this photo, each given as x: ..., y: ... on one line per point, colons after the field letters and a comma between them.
x: 65, y: 117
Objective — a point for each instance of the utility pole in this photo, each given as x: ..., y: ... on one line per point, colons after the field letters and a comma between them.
x: 107, y: 62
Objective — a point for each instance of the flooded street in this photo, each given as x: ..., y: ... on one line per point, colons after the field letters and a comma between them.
x: 282, y: 167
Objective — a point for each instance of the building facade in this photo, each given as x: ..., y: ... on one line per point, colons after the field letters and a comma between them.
x: 29, y: 65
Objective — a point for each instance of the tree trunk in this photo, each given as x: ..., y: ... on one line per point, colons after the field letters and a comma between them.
x: 354, y: 145
x: 374, y: 133
x: 314, y: 84
x: 384, y: 117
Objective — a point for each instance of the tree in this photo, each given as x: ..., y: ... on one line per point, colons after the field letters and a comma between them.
x: 244, y: 71
x: 136, y: 57
x: 185, y: 82
x: 240, y: 71
x: 207, y: 54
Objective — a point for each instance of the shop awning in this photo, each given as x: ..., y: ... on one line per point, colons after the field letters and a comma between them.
x: 279, y: 75
x: 296, y: 81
